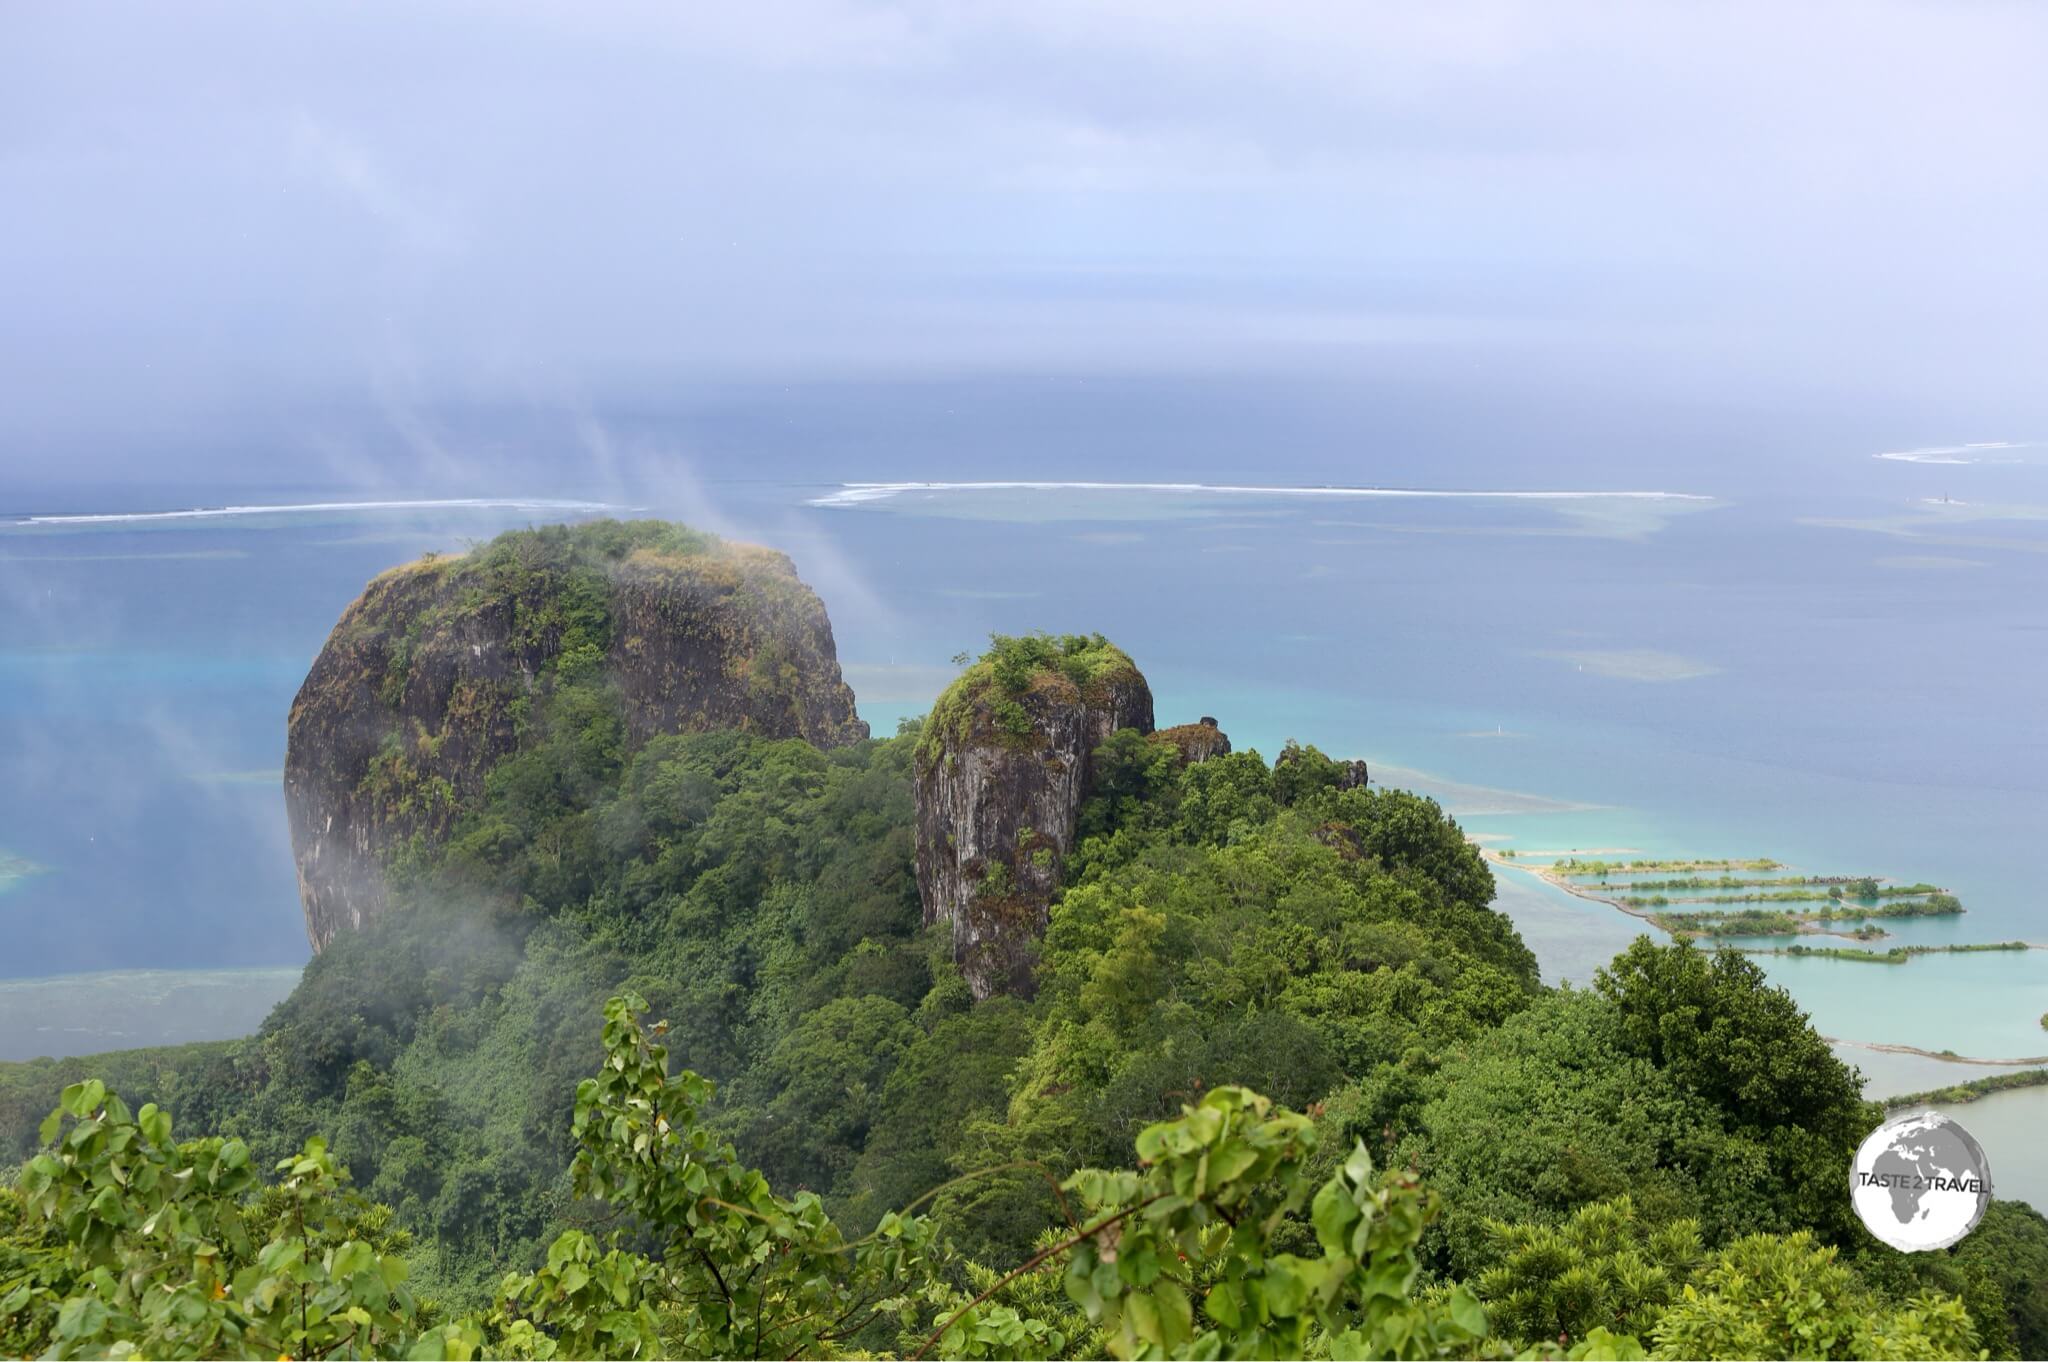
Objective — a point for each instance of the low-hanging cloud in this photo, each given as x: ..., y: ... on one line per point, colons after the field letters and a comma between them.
x: 232, y: 219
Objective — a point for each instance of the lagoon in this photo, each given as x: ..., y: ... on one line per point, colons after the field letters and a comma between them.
x: 2008, y: 1125
x: 83, y: 1014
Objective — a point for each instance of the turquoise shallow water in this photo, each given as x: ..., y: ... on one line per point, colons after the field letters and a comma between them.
x: 1987, y: 1004
x: 1572, y: 938
x: 2009, y: 1126
x: 82, y: 1014
x: 1889, y: 1074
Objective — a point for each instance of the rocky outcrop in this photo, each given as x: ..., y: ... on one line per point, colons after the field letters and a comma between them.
x: 1001, y: 768
x: 1323, y: 771
x: 1196, y: 742
x: 444, y: 666
x: 735, y: 641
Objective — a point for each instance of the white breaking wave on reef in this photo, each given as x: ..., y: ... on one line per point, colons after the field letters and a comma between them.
x: 863, y: 493
x: 1984, y: 451
x: 316, y: 507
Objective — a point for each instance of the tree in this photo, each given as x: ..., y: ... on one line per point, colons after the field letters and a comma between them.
x: 1225, y: 797
x: 1410, y: 832
x: 1543, y: 1115
x: 2010, y: 1248
x: 1132, y: 783
x: 161, y: 1249
x: 828, y: 1076
x: 769, y: 1276
x: 1603, y: 1268
x: 1718, y: 1027
x: 1770, y: 1296
x: 1300, y: 772
x: 121, y: 1241
x: 1224, y: 1241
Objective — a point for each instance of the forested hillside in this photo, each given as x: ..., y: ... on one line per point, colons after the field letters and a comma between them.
x: 1660, y: 1158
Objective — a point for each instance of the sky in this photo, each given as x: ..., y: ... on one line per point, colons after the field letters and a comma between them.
x: 343, y: 239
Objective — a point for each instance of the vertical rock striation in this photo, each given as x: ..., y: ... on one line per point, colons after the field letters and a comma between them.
x: 1001, y: 770
x: 443, y: 667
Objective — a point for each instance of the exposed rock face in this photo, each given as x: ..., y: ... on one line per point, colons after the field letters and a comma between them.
x: 1196, y: 742
x: 438, y: 671
x: 1354, y: 776
x: 733, y: 642
x: 1001, y: 773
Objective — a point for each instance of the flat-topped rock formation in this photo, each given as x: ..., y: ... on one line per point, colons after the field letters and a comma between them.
x: 444, y: 667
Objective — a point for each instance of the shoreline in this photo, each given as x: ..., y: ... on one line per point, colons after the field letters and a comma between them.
x: 1970, y: 1090
x: 1644, y: 915
x: 1556, y: 881
x: 1547, y: 876
x: 1945, y: 1056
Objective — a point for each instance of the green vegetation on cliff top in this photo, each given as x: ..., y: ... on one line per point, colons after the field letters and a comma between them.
x: 554, y: 582
x: 556, y: 606
x: 552, y: 587
x: 1072, y: 666
x: 593, y: 544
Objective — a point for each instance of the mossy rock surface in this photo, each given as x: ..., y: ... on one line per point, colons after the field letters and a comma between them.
x: 1003, y: 697
x: 1196, y: 742
x: 439, y: 670
x: 1002, y: 765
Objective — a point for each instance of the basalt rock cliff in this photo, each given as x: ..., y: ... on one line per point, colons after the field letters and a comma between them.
x: 445, y: 666
x: 1001, y: 768
x: 1196, y: 742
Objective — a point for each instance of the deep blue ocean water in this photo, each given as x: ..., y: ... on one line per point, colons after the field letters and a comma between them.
x: 1848, y: 680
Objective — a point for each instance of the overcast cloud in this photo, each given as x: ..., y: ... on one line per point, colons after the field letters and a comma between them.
x: 227, y: 213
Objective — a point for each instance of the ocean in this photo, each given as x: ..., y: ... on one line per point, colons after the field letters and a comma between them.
x: 1844, y: 680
